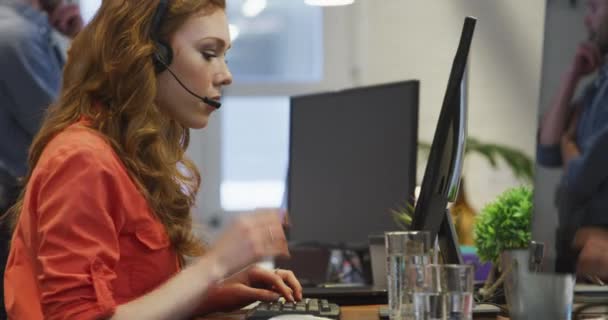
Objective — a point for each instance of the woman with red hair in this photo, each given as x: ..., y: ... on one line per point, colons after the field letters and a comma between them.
x: 103, y: 227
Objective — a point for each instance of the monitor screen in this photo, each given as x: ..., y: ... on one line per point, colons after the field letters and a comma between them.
x: 443, y: 169
x: 352, y: 159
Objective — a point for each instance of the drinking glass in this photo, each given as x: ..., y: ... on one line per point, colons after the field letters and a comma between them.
x: 446, y: 293
x: 407, y: 253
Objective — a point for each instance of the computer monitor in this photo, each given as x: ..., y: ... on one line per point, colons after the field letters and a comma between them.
x: 352, y: 159
x: 443, y: 169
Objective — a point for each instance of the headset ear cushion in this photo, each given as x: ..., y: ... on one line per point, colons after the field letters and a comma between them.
x: 162, y: 57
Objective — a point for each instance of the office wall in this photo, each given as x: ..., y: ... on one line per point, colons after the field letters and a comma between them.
x: 417, y: 40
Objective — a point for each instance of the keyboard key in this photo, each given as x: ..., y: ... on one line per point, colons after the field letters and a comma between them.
x: 325, y: 306
x: 313, y: 305
x: 262, y: 306
x: 267, y: 310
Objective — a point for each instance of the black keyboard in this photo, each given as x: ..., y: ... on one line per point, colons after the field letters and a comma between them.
x: 315, y: 307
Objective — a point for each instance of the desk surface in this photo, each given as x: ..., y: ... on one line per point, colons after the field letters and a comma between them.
x: 365, y: 312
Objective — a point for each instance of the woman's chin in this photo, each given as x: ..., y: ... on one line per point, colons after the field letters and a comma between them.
x: 196, y: 122
x: 199, y: 124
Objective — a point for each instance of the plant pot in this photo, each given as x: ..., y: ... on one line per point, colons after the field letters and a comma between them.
x: 533, y: 295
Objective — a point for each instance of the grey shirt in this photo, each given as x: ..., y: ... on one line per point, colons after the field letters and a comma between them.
x: 31, y: 63
x: 583, y: 195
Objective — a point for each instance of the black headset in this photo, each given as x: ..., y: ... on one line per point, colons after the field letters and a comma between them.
x: 163, y: 54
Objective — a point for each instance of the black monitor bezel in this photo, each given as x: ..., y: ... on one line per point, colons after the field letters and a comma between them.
x: 438, y: 187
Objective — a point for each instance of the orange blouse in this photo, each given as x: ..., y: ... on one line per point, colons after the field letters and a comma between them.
x: 86, y: 239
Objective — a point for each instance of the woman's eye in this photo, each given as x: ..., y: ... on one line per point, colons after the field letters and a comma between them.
x: 209, y: 55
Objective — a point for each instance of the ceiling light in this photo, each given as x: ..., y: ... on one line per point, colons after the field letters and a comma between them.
x: 252, y: 8
x: 328, y: 3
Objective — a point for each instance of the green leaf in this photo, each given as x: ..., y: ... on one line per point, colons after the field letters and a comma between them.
x: 504, y: 223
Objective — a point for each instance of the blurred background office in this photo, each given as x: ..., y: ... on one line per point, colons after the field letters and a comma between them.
x: 292, y: 48
x: 283, y: 48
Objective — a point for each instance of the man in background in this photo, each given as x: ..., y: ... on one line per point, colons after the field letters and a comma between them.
x: 33, y: 39
x: 574, y: 135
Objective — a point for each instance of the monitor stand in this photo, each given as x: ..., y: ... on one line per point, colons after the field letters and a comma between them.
x: 448, y: 241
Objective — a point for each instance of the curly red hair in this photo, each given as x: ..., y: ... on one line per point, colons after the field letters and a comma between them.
x: 109, y: 78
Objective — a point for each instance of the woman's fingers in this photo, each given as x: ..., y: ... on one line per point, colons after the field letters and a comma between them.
x: 261, y: 294
x: 271, y: 279
x: 290, y: 279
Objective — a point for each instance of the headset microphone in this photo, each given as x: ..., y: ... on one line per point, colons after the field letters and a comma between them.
x: 214, y: 103
x: 163, y: 54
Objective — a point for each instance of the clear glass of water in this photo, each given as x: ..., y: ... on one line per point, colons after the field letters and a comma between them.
x: 447, y: 293
x: 407, y: 252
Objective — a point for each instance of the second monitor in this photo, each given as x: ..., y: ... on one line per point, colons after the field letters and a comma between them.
x: 352, y: 159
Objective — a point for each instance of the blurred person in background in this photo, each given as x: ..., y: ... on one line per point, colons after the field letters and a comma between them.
x: 573, y: 136
x: 34, y: 35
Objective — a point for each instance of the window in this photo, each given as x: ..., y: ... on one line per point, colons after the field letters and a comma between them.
x: 254, y: 154
x: 273, y: 42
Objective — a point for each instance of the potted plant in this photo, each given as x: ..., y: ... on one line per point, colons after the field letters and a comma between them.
x: 502, y: 233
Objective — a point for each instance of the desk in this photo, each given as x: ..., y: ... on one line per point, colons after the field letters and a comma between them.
x: 370, y: 312
x: 365, y: 312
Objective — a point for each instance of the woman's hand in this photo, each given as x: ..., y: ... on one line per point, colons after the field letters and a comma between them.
x: 250, y: 238
x: 281, y: 281
x: 251, y: 285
